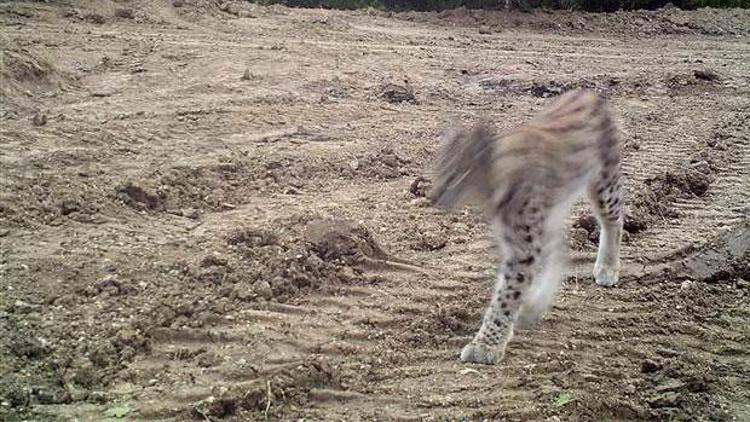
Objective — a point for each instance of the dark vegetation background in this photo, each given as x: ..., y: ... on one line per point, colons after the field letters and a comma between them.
x: 587, y: 5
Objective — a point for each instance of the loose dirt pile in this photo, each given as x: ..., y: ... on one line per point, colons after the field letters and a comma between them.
x: 644, y: 23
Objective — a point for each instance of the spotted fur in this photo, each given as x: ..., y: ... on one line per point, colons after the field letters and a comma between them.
x: 525, y: 181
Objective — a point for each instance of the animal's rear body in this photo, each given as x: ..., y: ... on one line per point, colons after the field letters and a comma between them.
x: 525, y: 181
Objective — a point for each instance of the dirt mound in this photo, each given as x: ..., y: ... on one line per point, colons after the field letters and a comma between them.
x: 657, y: 195
x: 25, y: 74
x: 337, y: 240
x: 21, y: 66
x: 698, y: 80
x: 288, y: 384
x: 278, y: 265
x: 723, y: 258
x: 138, y: 197
x: 671, y: 20
x: 396, y: 93
x: 726, y: 257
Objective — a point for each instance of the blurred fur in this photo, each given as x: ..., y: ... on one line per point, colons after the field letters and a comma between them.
x: 525, y: 181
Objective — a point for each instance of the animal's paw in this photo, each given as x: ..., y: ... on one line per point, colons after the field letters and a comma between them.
x: 481, y: 353
x: 606, y: 276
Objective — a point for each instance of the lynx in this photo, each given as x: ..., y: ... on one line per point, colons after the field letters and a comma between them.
x: 525, y: 181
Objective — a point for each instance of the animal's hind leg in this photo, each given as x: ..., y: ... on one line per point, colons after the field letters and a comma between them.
x: 520, y: 237
x: 605, y: 195
x: 540, y: 295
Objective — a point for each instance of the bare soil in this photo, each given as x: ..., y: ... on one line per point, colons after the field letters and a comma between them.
x: 217, y: 211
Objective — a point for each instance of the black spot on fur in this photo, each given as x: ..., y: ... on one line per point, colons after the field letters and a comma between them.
x: 506, y: 313
x: 527, y: 261
x: 516, y: 295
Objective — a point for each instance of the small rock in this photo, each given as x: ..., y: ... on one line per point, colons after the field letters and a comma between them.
x: 246, y: 75
x: 420, y: 202
x: 389, y: 160
x: 214, y: 260
x: 633, y: 223
x: 263, y: 289
x: 686, y: 285
x: 244, y: 294
x: 68, y: 206
x: 664, y: 400
x: 109, y: 283
x: 705, y: 75
x: 649, y: 366
x: 398, y: 93
x: 190, y: 213
x: 419, y: 187
x: 546, y: 90
x: 177, y: 3
x: 95, y: 18
x: 103, y: 93
x: 702, y: 166
x: 670, y: 385
x: 245, y: 14
x: 39, y: 119
x: 124, y: 13
x: 23, y: 307
x: 228, y: 8
x: 431, y: 242
x: 354, y: 164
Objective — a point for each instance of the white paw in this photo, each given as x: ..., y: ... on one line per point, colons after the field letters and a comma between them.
x: 606, y: 277
x: 481, y: 353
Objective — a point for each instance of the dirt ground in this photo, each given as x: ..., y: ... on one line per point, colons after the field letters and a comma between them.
x: 216, y: 211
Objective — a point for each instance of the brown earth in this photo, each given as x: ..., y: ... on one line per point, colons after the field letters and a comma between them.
x: 216, y: 210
